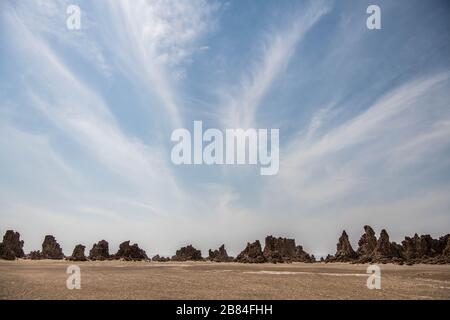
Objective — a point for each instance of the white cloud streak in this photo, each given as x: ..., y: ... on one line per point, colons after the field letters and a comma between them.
x: 151, y: 38
x: 84, y: 117
x: 335, y: 164
x: 277, y: 52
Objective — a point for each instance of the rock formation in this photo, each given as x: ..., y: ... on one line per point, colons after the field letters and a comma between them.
x: 51, y: 249
x: 279, y: 249
x: 78, y: 253
x: 130, y: 252
x: 445, y: 256
x: 412, y: 250
x: 425, y: 249
x: 160, y: 259
x: 416, y: 248
x: 442, y: 243
x: 251, y: 254
x: 385, y: 251
x: 284, y: 250
x: 446, y: 251
x: 441, y: 251
x: 367, y: 244
x: 219, y: 255
x: 99, y: 251
x: 302, y: 256
x: 344, y: 250
x: 187, y: 253
x: 34, y: 255
x: 383, y: 247
x: 11, y: 247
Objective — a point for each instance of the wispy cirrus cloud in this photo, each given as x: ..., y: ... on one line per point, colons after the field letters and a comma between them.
x: 83, y: 117
x: 339, y: 162
x: 77, y: 113
x: 279, y: 46
x: 48, y: 19
x: 154, y: 39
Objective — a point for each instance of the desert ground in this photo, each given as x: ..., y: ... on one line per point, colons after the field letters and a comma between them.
x: 46, y: 279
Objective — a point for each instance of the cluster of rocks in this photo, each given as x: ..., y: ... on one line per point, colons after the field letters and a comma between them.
x: 366, y: 245
x: 276, y: 250
x: 188, y: 253
x: 219, y: 255
x: 159, y: 258
x: 129, y: 252
x: 50, y: 250
x: 425, y: 249
x: 344, y: 250
x: 11, y: 247
x: 100, y: 251
x: 251, y: 254
x: 418, y: 249
x: 78, y: 253
x: 412, y: 250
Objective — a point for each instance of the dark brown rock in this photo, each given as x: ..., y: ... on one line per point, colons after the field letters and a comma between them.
x: 11, y: 247
x: 344, y: 250
x: 100, y: 251
x: 284, y: 250
x: 279, y: 249
x: 302, y: 256
x: 425, y: 246
x: 6, y: 253
x: 446, y: 251
x: 187, y: 253
x: 35, y: 255
x: 385, y: 251
x: 51, y: 249
x: 415, y: 249
x: 424, y: 249
x: 397, y: 251
x: 160, y: 259
x: 251, y: 254
x: 442, y: 244
x: 130, y: 252
x: 366, y: 245
x: 219, y: 255
x: 78, y: 253
x: 444, y: 258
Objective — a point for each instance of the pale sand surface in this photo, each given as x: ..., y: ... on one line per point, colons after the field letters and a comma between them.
x: 46, y: 279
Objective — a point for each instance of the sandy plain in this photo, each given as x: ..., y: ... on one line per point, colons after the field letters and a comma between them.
x: 46, y: 279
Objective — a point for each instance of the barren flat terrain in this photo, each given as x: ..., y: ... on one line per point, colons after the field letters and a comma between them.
x: 46, y: 279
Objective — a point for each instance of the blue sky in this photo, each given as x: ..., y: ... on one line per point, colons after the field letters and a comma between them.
x: 86, y: 117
